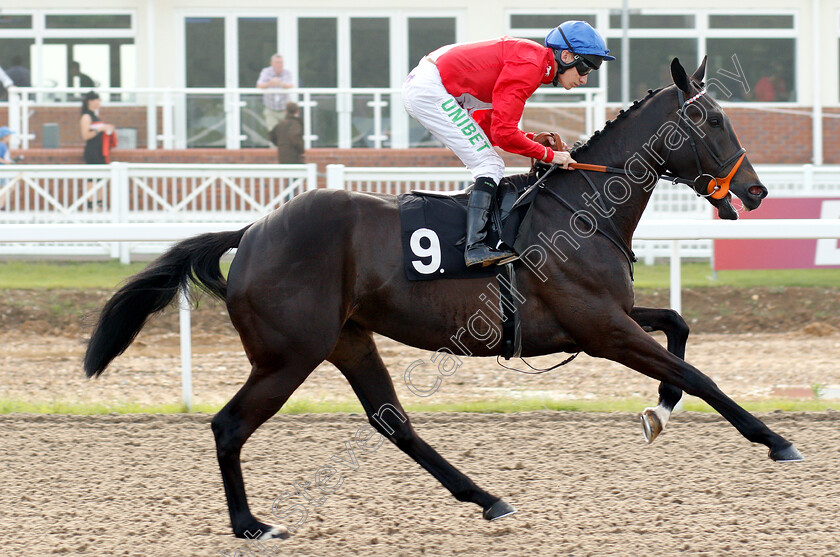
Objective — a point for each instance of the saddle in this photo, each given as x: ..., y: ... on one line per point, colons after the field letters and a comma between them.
x: 433, y: 226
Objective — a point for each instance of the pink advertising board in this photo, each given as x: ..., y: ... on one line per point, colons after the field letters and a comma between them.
x: 783, y: 254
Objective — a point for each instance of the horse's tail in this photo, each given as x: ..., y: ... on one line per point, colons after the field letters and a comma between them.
x: 193, y: 260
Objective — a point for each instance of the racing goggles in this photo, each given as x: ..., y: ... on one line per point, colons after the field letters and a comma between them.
x: 583, y: 66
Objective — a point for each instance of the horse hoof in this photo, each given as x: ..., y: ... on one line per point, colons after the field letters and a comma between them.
x: 498, y: 510
x: 268, y: 532
x: 786, y: 454
x: 651, y: 425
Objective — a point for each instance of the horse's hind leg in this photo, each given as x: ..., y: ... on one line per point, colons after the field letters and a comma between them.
x: 670, y: 322
x: 357, y: 358
x: 266, y: 390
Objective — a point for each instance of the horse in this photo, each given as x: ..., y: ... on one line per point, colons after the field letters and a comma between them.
x: 315, y: 279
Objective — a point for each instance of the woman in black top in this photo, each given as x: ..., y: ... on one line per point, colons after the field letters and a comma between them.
x: 92, y: 129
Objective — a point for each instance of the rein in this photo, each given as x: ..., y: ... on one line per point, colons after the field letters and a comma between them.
x: 537, y: 371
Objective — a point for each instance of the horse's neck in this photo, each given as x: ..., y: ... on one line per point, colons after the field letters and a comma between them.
x: 631, y: 143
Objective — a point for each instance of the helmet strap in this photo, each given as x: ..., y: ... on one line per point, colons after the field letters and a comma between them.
x: 558, y: 56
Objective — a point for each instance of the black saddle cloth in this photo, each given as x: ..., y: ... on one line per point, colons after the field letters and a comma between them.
x: 433, y: 228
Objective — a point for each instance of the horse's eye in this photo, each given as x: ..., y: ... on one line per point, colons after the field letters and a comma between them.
x: 714, y: 122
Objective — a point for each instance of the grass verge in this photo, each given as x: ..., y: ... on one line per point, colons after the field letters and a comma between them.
x: 108, y: 274
x: 486, y: 407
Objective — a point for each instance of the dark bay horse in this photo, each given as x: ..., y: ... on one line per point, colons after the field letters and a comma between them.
x: 315, y: 279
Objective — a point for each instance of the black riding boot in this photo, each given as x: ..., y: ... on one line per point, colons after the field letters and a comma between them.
x: 477, y: 252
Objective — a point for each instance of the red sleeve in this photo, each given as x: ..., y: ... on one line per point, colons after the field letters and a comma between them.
x: 484, y: 118
x: 517, y: 81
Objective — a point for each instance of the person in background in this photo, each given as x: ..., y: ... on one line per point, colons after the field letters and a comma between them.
x: 5, y: 137
x: 19, y: 73
x: 276, y: 78
x: 5, y: 158
x: 97, y: 135
x: 287, y: 135
x: 77, y: 78
x: 471, y: 96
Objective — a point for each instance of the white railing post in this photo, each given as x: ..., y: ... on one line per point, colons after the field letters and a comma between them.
x: 15, y: 118
x: 23, y: 130
x: 399, y: 122
x: 676, y: 277
x: 167, y: 106
x: 151, y: 121
x: 233, y: 106
x: 344, y: 107
x: 112, y: 195
x: 311, y: 176
x: 335, y: 176
x: 377, y: 104
x: 119, y: 204
x: 816, y: 59
x: 599, y: 109
x: 306, y: 105
x: 186, y: 350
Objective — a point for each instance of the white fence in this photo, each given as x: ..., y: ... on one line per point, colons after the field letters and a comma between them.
x: 650, y: 230
x: 160, y: 193
x: 140, y: 193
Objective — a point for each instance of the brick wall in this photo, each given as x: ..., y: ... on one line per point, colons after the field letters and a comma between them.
x: 770, y: 138
x: 67, y: 118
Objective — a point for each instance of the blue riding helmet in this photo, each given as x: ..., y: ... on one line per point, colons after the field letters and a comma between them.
x: 579, y: 38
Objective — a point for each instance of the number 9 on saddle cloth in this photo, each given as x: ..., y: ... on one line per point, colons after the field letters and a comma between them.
x: 433, y: 226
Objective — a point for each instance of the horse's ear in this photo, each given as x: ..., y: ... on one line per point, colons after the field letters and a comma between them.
x: 679, y: 75
x: 701, y: 71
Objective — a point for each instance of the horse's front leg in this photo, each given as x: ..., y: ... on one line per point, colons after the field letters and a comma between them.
x: 628, y: 344
x: 676, y: 330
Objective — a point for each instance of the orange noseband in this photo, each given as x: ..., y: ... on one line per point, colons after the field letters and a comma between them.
x: 719, y: 187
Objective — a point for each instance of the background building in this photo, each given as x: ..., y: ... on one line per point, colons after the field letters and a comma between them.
x: 777, y: 65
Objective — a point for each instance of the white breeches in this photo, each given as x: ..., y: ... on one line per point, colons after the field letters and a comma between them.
x: 450, y: 120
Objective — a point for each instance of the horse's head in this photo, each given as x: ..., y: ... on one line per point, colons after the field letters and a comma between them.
x: 709, y: 152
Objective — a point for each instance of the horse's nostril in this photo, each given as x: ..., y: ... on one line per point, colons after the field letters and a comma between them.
x: 758, y: 191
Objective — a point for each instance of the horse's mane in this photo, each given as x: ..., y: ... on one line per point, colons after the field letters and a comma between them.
x: 580, y: 146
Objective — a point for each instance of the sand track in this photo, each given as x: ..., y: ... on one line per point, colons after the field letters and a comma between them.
x: 584, y: 484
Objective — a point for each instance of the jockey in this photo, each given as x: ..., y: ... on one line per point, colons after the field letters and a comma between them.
x: 471, y: 97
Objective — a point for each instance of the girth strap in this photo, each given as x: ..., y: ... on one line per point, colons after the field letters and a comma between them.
x: 510, y: 302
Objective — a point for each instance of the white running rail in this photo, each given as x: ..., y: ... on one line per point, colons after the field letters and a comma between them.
x: 673, y: 230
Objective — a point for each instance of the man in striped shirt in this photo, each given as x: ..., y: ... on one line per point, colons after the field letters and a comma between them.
x: 275, y: 78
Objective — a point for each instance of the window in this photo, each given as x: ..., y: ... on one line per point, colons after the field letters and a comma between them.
x: 205, y: 44
x: 370, y: 54
x: 257, y: 44
x: 116, y: 21
x: 15, y: 21
x: 650, y: 64
x: 767, y: 65
x: 426, y: 34
x: 257, y: 37
x: 205, y: 40
x: 763, y: 45
x: 15, y: 59
x: 75, y: 50
x: 664, y: 21
x: 223, y: 50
